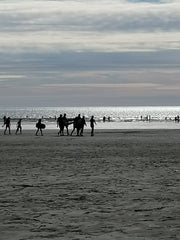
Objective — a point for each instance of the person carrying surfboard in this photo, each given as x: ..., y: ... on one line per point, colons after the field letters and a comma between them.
x: 40, y: 126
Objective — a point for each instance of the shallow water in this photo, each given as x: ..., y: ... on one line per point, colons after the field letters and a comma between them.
x: 120, y: 117
x: 111, y: 125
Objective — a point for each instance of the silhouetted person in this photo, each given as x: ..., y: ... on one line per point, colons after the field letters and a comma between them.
x: 4, y: 121
x: 92, y: 122
x: 19, y: 127
x: 39, y: 126
x: 177, y: 119
x: 8, y: 125
x: 65, y: 121
x: 60, y: 124
x: 104, y: 119
x: 83, y: 123
x: 109, y: 119
x: 76, y: 124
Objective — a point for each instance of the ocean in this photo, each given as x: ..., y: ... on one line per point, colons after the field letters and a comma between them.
x: 115, y: 117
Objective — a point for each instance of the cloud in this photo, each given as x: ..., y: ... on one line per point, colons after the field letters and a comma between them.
x: 33, y: 70
x: 92, y: 15
x: 86, y: 41
x: 105, y: 25
x: 89, y: 52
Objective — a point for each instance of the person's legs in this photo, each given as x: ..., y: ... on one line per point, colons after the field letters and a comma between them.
x: 67, y: 130
x: 41, y: 132
x: 92, y: 131
x: 62, y: 130
x: 77, y: 131
x: 37, y: 131
x: 5, y: 131
x: 73, y: 130
x: 81, y: 132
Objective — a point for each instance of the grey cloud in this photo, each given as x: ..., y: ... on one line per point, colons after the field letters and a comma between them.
x: 120, y: 16
x: 34, y: 70
x: 96, y: 71
x: 81, y: 96
x: 87, y: 60
x: 89, y: 25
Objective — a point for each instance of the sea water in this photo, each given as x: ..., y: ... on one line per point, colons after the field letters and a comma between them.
x: 116, y: 117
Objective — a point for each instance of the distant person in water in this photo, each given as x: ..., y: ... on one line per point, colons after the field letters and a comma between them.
x: 60, y: 124
x: 7, y: 125
x: 40, y: 126
x: 104, y: 119
x: 177, y: 119
x: 92, y: 122
x: 19, y: 127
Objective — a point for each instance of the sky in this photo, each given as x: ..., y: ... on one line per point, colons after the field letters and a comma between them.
x: 89, y: 53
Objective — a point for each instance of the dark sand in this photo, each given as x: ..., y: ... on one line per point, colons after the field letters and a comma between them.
x: 115, y: 185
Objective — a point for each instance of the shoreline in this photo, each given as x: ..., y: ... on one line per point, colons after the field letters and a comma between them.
x: 108, y: 125
x: 88, y: 130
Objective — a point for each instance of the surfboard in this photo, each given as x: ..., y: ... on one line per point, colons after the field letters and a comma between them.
x: 42, y: 125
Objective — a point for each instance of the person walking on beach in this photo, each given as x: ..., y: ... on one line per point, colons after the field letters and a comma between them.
x: 8, y: 125
x: 4, y: 121
x: 76, y: 124
x: 65, y: 121
x: 19, y: 127
x: 39, y: 126
x: 92, y: 122
x: 83, y: 123
x: 60, y: 124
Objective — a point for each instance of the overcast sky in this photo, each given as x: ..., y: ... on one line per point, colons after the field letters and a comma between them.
x: 89, y: 52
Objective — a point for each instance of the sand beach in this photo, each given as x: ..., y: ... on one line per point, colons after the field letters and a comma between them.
x: 119, y: 184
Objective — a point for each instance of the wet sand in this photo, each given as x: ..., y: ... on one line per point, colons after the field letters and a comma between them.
x: 115, y: 185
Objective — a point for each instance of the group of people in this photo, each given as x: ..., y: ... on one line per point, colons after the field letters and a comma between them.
x: 78, y: 124
x: 7, y: 124
x: 62, y: 123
